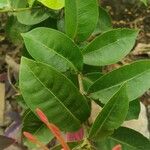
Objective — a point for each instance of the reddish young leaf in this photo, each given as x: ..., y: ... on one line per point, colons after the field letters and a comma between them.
x: 30, y: 137
x: 34, y: 140
x: 41, y: 115
x: 55, y: 130
x: 117, y: 147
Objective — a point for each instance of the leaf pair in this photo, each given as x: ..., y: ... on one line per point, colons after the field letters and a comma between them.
x: 59, y: 51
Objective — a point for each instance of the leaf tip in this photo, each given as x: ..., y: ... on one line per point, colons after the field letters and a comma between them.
x: 42, y: 116
x: 30, y: 137
x: 117, y: 147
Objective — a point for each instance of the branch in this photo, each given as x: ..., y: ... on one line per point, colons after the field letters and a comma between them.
x: 17, y: 10
x: 80, y: 84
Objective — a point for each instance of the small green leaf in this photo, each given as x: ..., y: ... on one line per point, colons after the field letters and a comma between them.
x: 33, y: 125
x: 104, y: 22
x: 53, y: 48
x: 44, y: 87
x: 134, y: 110
x: 112, y: 115
x: 144, y: 1
x: 136, y: 75
x: 31, y: 16
x: 110, y: 47
x: 80, y: 18
x: 14, y: 29
x: 4, y: 4
x: 130, y: 139
x: 53, y: 4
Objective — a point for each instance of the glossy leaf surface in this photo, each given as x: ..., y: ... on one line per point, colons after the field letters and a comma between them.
x: 136, y: 75
x: 53, y: 4
x: 109, y: 47
x: 112, y: 115
x: 80, y: 18
x: 53, y: 48
x: 45, y: 88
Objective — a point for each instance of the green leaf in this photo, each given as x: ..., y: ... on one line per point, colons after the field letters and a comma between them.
x: 144, y: 1
x: 14, y: 29
x: 53, y: 48
x: 136, y: 75
x: 32, y: 16
x: 80, y: 18
x: 44, y: 87
x: 89, y: 78
x: 104, y: 23
x: 93, y: 76
x: 33, y: 125
x: 134, y: 110
x: 53, y: 4
x: 110, y: 47
x: 91, y: 69
x: 130, y: 139
x: 110, y: 117
x: 4, y: 4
